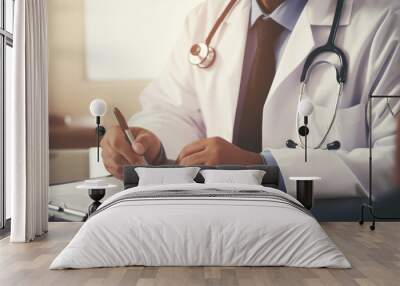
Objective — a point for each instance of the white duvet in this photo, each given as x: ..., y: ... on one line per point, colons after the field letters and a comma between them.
x: 190, y: 230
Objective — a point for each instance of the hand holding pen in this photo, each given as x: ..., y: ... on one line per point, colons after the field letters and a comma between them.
x: 118, y: 151
x: 136, y: 146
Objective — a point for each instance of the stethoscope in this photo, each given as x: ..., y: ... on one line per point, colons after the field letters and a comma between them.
x: 203, y: 56
x: 341, y: 76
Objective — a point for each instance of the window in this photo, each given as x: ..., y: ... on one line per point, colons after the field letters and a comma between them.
x: 6, y: 44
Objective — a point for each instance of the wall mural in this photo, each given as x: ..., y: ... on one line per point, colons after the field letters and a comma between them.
x: 175, y: 83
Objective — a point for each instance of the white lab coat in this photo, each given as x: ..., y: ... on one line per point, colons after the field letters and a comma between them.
x: 187, y: 103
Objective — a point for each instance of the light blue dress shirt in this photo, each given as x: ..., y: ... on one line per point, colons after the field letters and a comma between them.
x: 287, y: 15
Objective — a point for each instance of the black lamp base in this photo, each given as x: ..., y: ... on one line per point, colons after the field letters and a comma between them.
x: 96, y: 195
x: 304, y: 193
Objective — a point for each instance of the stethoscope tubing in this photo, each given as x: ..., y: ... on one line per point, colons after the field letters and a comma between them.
x: 341, y: 72
x: 325, y: 137
x: 219, y: 21
x: 303, y: 86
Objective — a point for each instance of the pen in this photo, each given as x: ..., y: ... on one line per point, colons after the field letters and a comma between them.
x: 122, y: 123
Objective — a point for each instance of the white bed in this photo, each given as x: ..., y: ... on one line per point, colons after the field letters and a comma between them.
x: 201, y: 224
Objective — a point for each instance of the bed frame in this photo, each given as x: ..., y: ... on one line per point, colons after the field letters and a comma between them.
x: 271, y: 177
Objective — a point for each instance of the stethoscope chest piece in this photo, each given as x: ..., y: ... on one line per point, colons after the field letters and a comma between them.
x: 202, y: 55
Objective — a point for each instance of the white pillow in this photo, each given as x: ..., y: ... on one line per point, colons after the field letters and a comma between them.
x: 162, y: 176
x: 248, y: 177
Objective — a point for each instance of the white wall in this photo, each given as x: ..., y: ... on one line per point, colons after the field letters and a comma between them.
x: 70, y: 91
x: 80, y: 37
x: 131, y: 39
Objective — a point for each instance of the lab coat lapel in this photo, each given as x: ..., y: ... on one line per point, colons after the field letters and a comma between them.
x: 299, y: 45
x: 321, y: 13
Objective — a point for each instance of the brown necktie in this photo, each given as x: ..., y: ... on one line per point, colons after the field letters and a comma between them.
x: 248, y: 125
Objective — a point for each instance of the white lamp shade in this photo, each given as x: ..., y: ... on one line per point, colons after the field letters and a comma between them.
x: 98, y: 107
x: 306, y: 107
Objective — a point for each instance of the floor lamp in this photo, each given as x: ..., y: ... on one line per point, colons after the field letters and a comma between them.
x: 370, y: 205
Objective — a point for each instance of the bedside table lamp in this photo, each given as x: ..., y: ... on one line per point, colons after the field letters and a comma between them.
x: 97, y: 191
x: 305, y: 109
x: 98, y: 108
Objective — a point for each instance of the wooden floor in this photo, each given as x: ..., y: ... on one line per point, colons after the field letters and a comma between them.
x: 375, y: 257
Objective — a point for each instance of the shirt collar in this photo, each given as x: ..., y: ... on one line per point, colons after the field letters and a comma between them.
x: 286, y: 14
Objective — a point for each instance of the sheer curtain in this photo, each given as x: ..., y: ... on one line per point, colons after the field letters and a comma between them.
x: 27, y: 137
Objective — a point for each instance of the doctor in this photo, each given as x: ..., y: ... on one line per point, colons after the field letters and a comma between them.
x: 243, y: 108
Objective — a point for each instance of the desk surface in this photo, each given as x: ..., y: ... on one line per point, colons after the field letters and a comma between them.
x: 375, y: 257
x: 68, y: 196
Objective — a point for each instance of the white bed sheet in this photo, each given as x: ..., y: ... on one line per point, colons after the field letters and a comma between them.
x: 200, y: 231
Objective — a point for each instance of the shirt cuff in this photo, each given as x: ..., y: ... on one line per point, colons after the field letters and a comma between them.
x: 268, y: 159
